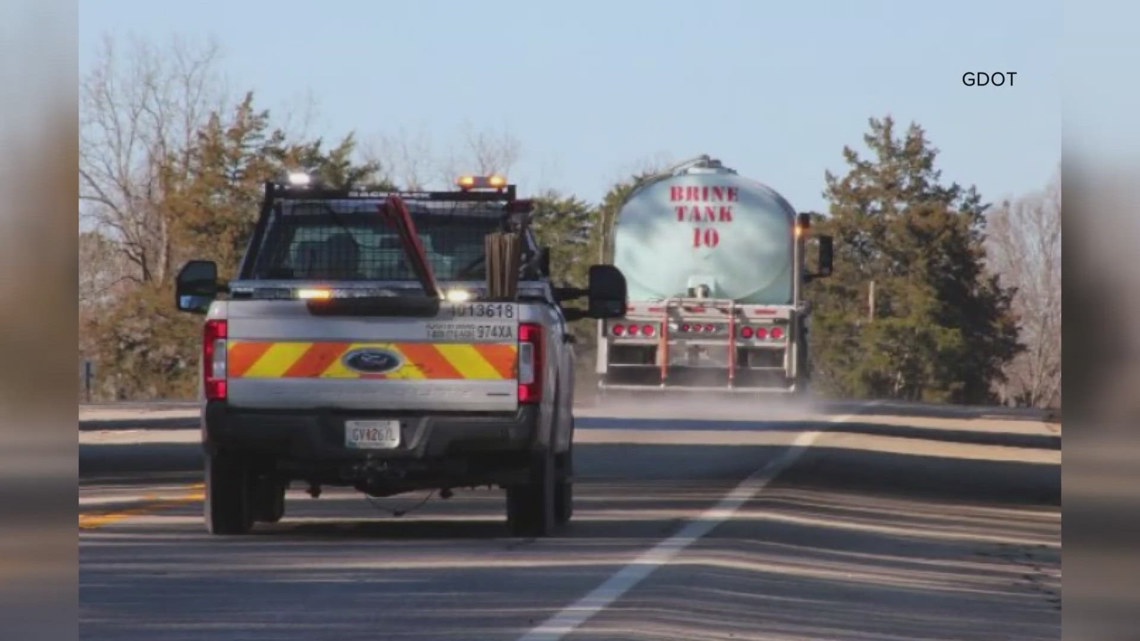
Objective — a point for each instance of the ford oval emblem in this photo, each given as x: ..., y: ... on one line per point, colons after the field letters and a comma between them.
x: 372, y: 360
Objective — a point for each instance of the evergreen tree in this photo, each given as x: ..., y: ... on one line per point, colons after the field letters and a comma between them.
x: 941, y: 328
x: 212, y: 197
x: 217, y: 196
x: 567, y: 225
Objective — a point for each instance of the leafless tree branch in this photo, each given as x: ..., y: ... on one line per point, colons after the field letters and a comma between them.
x: 483, y: 152
x: 139, y: 112
x: 1025, y: 249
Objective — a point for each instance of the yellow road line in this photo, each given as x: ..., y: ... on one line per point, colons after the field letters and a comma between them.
x: 151, y: 504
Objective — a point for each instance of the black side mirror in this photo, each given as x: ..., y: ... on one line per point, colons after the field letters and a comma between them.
x: 825, y: 257
x: 196, y: 286
x: 606, y: 292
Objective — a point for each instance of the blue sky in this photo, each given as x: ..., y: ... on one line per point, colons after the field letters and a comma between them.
x: 593, y: 89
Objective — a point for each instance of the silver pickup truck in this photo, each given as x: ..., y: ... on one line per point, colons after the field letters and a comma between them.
x: 390, y: 342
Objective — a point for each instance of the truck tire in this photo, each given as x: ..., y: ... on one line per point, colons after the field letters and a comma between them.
x: 269, y: 500
x: 228, y: 493
x: 803, y: 364
x: 564, y: 488
x: 530, y: 507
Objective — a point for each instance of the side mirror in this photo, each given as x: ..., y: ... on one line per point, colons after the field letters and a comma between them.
x: 606, y: 292
x: 825, y: 257
x: 196, y: 286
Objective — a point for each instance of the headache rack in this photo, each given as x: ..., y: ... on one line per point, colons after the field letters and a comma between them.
x: 392, y: 206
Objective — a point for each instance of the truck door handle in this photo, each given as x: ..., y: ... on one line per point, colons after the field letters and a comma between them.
x: 569, y: 338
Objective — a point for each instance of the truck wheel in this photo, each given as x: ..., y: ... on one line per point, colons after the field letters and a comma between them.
x: 564, y: 488
x: 227, y: 505
x: 269, y: 500
x: 530, y: 507
x: 803, y: 366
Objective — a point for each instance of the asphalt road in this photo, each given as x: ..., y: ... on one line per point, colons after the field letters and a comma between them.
x: 892, y: 524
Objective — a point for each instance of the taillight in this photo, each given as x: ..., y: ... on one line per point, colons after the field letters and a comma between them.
x: 777, y: 333
x: 746, y: 332
x: 618, y: 330
x: 649, y: 330
x: 634, y: 330
x: 530, y: 363
x: 761, y: 333
x: 685, y: 327
x: 710, y: 328
x: 214, y: 360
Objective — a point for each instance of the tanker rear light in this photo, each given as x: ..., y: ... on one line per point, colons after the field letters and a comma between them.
x: 697, y: 328
x: 762, y: 333
x: 634, y: 330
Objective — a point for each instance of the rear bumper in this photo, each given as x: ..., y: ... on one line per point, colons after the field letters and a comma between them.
x: 744, y: 380
x: 319, y: 436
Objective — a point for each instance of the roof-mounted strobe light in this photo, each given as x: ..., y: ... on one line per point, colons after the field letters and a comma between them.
x: 481, y: 182
x: 300, y: 179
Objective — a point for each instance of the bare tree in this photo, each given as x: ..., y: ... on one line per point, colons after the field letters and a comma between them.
x: 101, y: 269
x: 404, y: 158
x: 1025, y: 249
x: 298, y: 119
x: 483, y: 152
x: 410, y: 158
x: 138, y: 115
x: 644, y: 165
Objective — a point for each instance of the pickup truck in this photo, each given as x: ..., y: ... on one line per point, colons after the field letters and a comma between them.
x: 390, y: 342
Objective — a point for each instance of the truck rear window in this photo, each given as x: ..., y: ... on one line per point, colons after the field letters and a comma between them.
x: 351, y: 241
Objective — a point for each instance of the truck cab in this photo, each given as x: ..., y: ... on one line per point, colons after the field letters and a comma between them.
x: 390, y: 342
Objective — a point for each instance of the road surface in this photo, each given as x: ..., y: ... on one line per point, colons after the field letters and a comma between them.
x: 838, y: 523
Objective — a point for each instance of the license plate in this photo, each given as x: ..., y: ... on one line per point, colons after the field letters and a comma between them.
x: 372, y: 435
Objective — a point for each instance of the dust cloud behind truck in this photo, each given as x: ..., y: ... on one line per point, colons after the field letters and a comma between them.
x: 715, y: 266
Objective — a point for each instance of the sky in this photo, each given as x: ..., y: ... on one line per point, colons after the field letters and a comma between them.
x: 593, y: 90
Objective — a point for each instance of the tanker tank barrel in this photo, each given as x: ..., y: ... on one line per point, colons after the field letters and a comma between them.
x: 714, y: 263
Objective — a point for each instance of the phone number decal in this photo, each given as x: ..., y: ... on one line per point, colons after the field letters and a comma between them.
x: 469, y: 332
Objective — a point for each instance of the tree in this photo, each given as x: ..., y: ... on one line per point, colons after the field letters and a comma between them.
x: 484, y: 153
x: 103, y: 271
x: 215, y: 198
x: 565, y: 224
x: 942, y: 328
x: 139, y: 112
x: 209, y: 196
x: 1025, y: 250
x: 406, y: 160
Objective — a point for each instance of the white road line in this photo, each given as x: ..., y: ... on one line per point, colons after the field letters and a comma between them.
x: 573, y: 616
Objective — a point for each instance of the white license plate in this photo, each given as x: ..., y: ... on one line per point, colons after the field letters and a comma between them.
x: 372, y: 435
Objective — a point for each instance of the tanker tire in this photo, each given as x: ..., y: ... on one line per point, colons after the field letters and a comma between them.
x: 530, y: 507
x: 227, y: 506
x: 803, y: 365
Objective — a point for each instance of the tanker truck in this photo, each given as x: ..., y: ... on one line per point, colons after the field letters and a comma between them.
x: 715, y: 266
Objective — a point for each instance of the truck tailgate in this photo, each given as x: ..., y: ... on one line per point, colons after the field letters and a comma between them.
x: 280, y: 356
